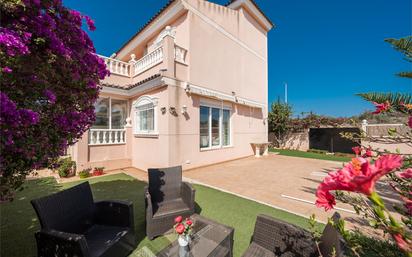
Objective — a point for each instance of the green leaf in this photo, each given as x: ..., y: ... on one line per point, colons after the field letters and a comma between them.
x: 373, y: 223
x: 375, y: 198
x: 379, y: 211
x: 396, y: 99
x: 403, y: 45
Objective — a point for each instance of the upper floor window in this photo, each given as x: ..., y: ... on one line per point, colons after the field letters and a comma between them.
x: 110, y: 113
x: 145, y: 116
x: 215, y: 127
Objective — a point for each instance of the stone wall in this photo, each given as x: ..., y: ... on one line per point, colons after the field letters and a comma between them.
x: 296, y: 141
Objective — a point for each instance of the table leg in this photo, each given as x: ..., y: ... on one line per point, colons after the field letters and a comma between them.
x: 257, y: 151
x: 266, y: 150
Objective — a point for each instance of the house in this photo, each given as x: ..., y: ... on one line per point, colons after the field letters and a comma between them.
x: 189, y: 88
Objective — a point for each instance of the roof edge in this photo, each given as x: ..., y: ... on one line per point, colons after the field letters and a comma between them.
x: 252, y: 5
x: 147, y: 24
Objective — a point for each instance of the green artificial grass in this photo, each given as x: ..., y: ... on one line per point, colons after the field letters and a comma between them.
x: 19, y: 221
x: 296, y: 153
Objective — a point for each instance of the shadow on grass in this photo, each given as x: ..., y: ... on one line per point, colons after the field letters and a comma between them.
x: 19, y: 221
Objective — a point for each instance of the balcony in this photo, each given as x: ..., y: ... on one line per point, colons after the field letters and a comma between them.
x: 107, y: 136
x: 134, y: 67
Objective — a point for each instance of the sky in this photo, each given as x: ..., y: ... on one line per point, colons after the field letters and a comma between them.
x: 326, y: 51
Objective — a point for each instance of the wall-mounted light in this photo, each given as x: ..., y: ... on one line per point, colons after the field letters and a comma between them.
x: 162, y: 71
x: 163, y: 110
x: 128, y: 122
x: 184, y: 109
x: 187, y: 89
x: 172, y: 111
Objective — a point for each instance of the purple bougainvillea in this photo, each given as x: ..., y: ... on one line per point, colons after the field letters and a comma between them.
x: 49, y: 76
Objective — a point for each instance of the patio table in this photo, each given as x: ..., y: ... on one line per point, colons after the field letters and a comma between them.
x: 209, y: 239
x: 258, y: 146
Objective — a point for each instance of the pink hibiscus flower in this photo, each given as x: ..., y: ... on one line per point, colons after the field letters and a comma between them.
x: 402, y: 242
x: 357, y: 176
x: 381, y: 107
x: 406, y: 173
x: 357, y: 150
x: 368, y: 153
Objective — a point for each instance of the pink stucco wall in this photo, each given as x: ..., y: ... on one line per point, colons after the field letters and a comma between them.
x: 226, y: 52
x: 246, y: 122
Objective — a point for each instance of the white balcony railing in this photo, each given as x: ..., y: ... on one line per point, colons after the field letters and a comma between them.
x: 180, y: 54
x: 116, y: 66
x: 107, y: 136
x: 149, y: 60
x: 146, y: 62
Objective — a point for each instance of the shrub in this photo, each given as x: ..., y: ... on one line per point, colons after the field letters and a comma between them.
x: 85, y: 173
x: 98, y: 171
x: 66, y: 167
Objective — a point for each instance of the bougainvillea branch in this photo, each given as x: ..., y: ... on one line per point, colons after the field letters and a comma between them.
x: 49, y: 75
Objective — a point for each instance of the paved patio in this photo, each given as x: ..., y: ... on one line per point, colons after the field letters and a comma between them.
x: 284, y: 182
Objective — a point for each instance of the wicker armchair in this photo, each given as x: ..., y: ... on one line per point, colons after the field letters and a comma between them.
x: 72, y: 224
x: 276, y: 238
x: 166, y: 197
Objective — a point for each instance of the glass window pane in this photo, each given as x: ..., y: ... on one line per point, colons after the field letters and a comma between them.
x: 143, y: 120
x: 150, y: 119
x: 215, y: 127
x: 226, y: 127
x: 102, y: 114
x: 119, y: 113
x: 204, y: 127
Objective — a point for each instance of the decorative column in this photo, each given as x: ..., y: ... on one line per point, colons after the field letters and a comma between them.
x: 132, y: 63
x: 169, y: 53
x: 82, y: 152
x: 364, y: 125
x: 129, y: 137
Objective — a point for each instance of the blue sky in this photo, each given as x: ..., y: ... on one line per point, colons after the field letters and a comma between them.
x: 325, y: 50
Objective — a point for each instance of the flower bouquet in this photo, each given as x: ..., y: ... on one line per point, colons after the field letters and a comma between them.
x: 184, y: 229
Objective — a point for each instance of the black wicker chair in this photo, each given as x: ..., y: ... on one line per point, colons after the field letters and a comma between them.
x: 72, y: 224
x: 276, y: 238
x: 166, y: 197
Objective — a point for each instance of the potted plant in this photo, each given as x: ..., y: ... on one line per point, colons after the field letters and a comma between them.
x: 85, y: 173
x: 66, y: 167
x: 184, y: 229
x: 98, y: 171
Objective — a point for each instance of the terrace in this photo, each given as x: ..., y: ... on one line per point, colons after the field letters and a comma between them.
x: 19, y: 221
x: 220, y: 190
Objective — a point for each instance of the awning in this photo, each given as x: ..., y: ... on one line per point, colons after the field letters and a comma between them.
x: 192, y: 89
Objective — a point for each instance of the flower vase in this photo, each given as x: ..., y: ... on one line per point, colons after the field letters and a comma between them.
x: 184, y: 245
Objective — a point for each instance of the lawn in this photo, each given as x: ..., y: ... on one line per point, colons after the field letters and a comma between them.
x: 296, y: 153
x: 19, y: 221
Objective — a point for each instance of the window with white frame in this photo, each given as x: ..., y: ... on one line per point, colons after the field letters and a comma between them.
x: 215, y: 127
x: 110, y: 113
x: 145, y: 116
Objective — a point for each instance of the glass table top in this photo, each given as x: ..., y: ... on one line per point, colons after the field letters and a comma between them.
x: 208, y: 239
